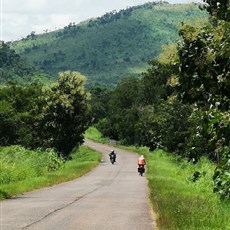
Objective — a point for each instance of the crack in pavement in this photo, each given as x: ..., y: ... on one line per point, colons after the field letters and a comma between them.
x: 69, y: 204
x: 58, y: 209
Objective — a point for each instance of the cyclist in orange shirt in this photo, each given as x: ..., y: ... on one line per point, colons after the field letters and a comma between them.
x: 141, y: 161
x: 141, y: 165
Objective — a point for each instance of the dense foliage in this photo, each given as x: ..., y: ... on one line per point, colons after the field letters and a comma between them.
x: 13, y: 68
x: 18, y: 113
x: 55, y: 117
x: 24, y: 170
x: 66, y: 113
x: 99, y: 102
x: 218, y: 9
x: 181, y: 103
x: 110, y: 47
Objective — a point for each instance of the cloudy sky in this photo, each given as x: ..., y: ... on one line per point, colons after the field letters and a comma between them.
x: 20, y: 17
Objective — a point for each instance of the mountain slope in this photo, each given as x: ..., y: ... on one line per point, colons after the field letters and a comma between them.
x: 110, y: 47
x: 13, y: 68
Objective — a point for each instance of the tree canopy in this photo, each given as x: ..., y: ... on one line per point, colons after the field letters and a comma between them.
x: 181, y: 103
x: 13, y: 68
x: 38, y: 117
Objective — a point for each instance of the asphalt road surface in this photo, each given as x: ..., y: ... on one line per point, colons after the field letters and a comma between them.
x: 111, y: 197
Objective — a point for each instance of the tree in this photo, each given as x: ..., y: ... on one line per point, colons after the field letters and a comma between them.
x: 17, y: 112
x: 164, y: 125
x: 204, y: 65
x: 122, y: 112
x: 99, y: 102
x: 8, y: 134
x: 153, y: 84
x: 66, y: 115
x: 220, y: 9
x: 204, y: 81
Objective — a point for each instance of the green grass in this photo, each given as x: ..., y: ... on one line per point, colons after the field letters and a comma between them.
x: 93, y: 134
x: 24, y: 170
x: 179, y: 202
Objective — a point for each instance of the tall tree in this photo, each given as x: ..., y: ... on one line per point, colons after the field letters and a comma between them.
x: 99, y: 102
x: 204, y: 81
x: 17, y: 113
x: 67, y: 114
x: 123, y: 112
x: 220, y: 9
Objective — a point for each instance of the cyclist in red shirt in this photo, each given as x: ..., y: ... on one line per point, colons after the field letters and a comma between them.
x: 141, y: 161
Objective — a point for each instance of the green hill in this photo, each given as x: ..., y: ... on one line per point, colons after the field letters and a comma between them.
x: 108, y: 48
x: 13, y: 68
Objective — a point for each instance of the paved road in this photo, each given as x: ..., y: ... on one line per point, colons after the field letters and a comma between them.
x: 111, y: 197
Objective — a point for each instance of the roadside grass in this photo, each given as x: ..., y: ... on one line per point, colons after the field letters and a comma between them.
x: 93, y: 134
x: 24, y: 170
x: 181, y: 203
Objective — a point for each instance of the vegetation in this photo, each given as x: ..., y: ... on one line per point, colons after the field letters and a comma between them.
x: 110, y: 47
x: 181, y: 192
x: 23, y: 170
x: 99, y: 101
x: 93, y: 134
x: 18, y: 114
x: 181, y: 196
x: 65, y: 114
x: 181, y: 103
x: 13, y: 68
x: 55, y: 117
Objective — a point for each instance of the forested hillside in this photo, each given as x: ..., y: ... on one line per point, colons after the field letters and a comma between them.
x: 108, y: 48
x: 13, y: 68
x: 181, y: 103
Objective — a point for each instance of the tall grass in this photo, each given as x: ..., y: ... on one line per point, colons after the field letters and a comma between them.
x: 180, y: 200
x: 93, y: 134
x: 24, y: 170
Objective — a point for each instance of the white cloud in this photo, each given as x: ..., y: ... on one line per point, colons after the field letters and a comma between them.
x: 20, y: 17
x: 56, y: 21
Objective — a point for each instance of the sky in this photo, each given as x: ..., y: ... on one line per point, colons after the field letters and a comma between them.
x: 18, y: 18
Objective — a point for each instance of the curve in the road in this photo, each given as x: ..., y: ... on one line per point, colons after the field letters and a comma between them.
x: 109, y: 197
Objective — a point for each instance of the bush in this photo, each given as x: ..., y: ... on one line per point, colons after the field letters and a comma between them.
x: 222, y: 180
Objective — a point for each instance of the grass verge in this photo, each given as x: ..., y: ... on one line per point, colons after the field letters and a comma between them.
x: 93, y: 134
x: 23, y: 170
x: 179, y: 202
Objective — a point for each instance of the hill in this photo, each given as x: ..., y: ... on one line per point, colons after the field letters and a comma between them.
x: 13, y: 68
x: 110, y: 47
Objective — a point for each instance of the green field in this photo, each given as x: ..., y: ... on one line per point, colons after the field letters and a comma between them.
x: 23, y: 170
